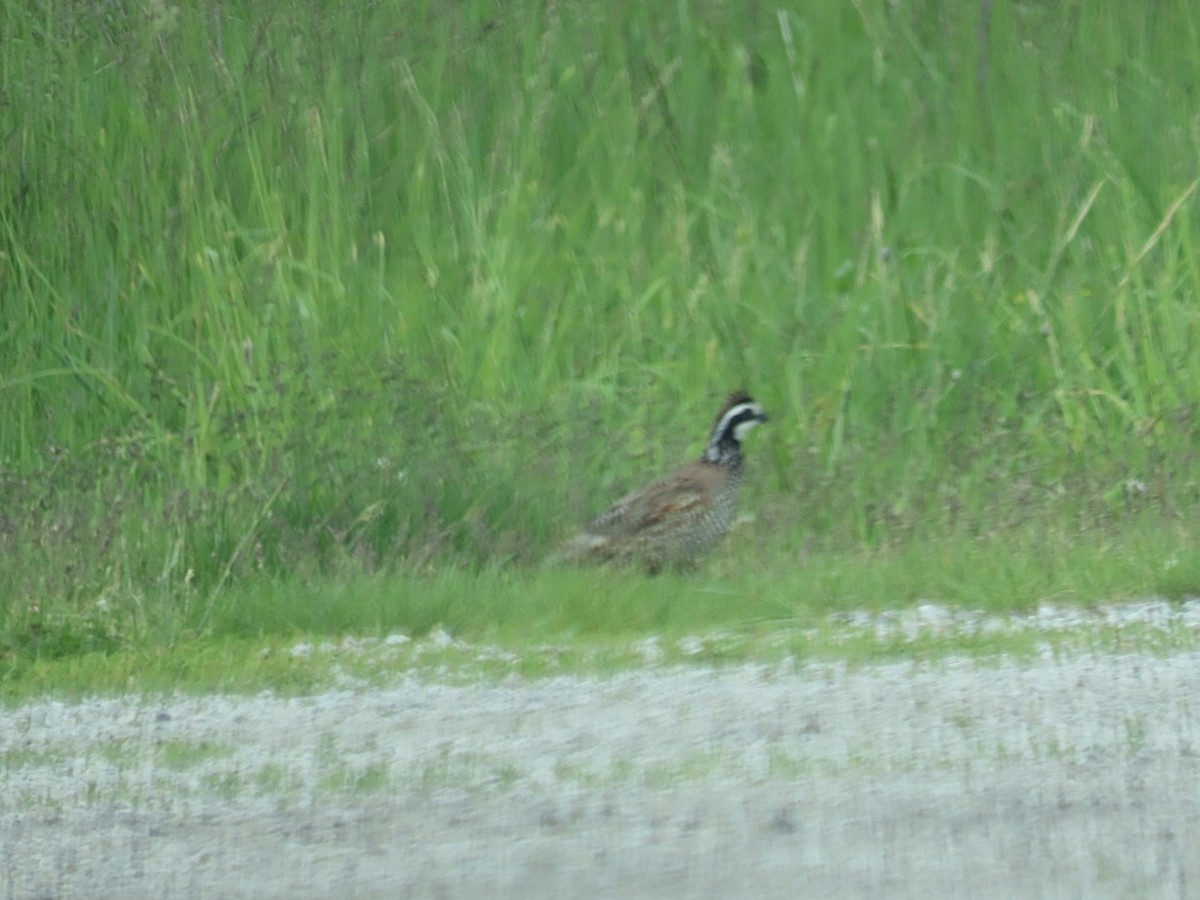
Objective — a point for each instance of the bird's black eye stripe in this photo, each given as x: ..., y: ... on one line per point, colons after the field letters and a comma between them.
x: 747, y: 415
x: 744, y: 413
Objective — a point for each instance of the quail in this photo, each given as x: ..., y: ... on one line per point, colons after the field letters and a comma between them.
x: 677, y: 519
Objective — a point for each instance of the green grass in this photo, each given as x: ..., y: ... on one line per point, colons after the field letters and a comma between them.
x: 295, y: 637
x: 320, y: 321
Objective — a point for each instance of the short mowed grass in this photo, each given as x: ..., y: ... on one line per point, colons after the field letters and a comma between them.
x: 325, y: 320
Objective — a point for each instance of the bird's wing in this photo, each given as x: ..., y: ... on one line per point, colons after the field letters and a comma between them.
x: 651, y: 506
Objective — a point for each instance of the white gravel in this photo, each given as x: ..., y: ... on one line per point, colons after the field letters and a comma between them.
x: 1062, y: 777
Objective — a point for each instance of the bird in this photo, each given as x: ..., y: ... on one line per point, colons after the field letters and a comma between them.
x: 674, y: 521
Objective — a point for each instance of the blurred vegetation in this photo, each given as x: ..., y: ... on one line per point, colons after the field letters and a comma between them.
x: 313, y: 291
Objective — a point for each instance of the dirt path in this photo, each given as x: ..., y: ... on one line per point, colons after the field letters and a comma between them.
x: 1060, y: 778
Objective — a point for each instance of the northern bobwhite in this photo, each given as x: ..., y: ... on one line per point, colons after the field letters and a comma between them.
x: 675, y: 520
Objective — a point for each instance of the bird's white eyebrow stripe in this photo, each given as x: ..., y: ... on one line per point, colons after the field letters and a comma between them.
x: 735, y: 412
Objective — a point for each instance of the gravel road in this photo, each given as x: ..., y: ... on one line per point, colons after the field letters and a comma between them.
x: 1075, y: 776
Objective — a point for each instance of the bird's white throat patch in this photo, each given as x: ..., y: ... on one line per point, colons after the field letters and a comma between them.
x: 741, y: 429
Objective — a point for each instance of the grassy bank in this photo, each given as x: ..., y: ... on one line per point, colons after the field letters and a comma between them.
x: 302, y: 300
